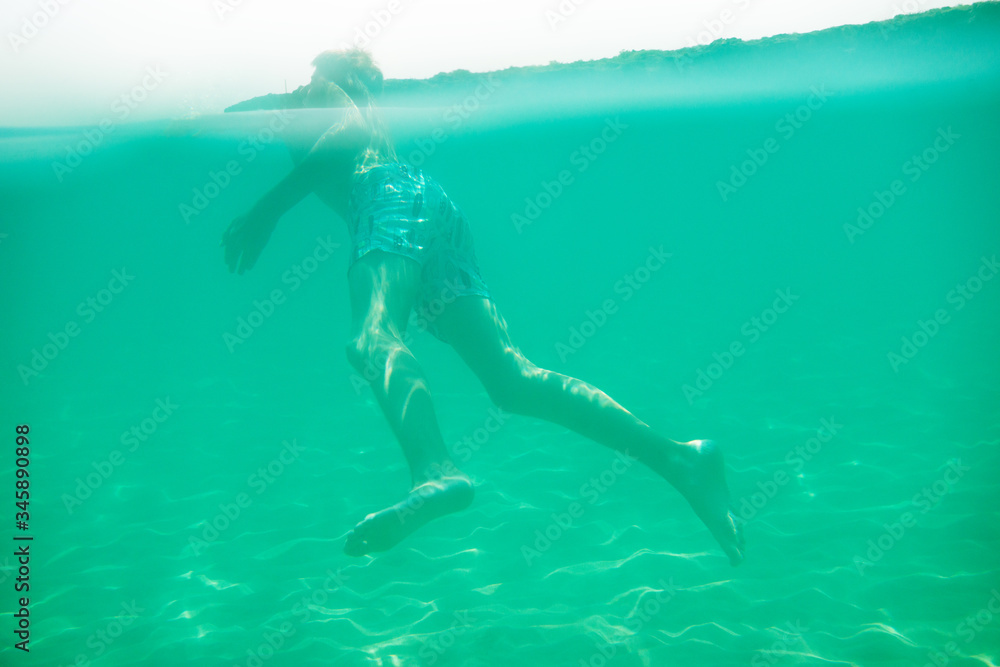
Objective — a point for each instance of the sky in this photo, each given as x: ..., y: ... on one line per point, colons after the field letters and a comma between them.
x: 72, y: 60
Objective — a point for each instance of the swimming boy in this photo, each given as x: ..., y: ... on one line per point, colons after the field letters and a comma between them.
x: 412, y: 250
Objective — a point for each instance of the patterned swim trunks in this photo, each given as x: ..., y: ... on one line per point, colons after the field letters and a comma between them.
x: 399, y: 209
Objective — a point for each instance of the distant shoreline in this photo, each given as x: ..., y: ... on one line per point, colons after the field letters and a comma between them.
x: 679, y: 64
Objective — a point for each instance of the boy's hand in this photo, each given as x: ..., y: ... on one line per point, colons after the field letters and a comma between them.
x: 245, y: 239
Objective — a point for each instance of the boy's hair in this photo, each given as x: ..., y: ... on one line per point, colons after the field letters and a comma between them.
x: 356, y: 73
x: 354, y: 70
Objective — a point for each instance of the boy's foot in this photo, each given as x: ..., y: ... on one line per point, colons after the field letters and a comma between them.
x: 381, y: 530
x: 702, y: 481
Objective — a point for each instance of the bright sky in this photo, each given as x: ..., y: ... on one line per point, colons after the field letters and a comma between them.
x: 71, y: 59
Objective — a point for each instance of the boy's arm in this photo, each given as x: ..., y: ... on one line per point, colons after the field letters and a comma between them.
x: 339, y: 144
x: 248, y: 234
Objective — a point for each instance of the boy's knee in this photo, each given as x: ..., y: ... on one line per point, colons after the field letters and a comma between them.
x: 368, y: 353
x: 363, y: 356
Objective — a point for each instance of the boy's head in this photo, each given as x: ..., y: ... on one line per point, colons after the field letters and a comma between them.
x: 352, y: 70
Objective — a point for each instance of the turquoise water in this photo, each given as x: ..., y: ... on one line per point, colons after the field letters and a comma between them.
x: 193, y: 478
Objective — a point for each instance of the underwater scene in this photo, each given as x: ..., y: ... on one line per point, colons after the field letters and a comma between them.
x: 585, y: 298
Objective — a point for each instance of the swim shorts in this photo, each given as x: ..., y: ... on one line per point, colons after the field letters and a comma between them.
x: 399, y: 209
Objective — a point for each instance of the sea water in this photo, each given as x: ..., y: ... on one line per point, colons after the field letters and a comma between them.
x: 788, y: 246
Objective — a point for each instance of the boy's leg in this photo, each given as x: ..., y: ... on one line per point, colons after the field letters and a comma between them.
x: 475, y: 328
x: 383, y: 288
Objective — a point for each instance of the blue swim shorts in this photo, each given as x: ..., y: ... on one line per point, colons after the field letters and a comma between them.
x: 399, y: 209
